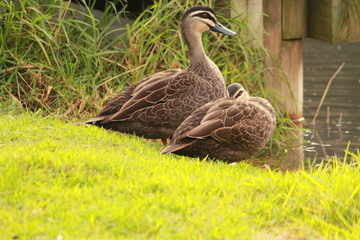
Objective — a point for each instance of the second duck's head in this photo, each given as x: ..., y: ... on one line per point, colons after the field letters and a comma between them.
x: 199, y: 19
x: 236, y: 90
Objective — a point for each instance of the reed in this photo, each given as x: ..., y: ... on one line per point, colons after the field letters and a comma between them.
x: 53, y: 56
x: 65, y: 61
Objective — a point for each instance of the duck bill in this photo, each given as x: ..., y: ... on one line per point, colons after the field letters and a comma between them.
x: 221, y: 29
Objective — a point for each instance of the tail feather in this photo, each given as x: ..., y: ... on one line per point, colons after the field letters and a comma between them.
x: 174, y: 147
x: 95, y: 119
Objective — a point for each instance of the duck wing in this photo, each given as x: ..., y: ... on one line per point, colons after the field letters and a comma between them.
x: 147, y: 96
x: 162, y: 101
x: 114, y: 105
x: 179, y: 139
x: 241, y: 122
x: 228, y: 121
x: 217, y: 122
x: 199, y: 125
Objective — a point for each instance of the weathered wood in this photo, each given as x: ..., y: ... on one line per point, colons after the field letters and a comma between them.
x: 291, y: 86
x: 354, y: 21
x: 252, y: 10
x: 272, y: 41
x: 334, y: 21
x: 287, y: 55
x: 294, y: 19
x: 272, y: 26
x: 319, y: 18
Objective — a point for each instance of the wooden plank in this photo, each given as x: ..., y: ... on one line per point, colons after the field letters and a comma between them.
x: 334, y: 21
x: 291, y: 86
x: 346, y: 15
x: 339, y: 22
x: 294, y: 19
x: 286, y: 55
x: 319, y: 20
x: 354, y: 20
x: 272, y: 41
x: 272, y: 26
x: 251, y: 10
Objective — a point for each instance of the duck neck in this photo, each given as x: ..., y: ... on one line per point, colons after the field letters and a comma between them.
x: 196, y: 49
x: 199, y: 62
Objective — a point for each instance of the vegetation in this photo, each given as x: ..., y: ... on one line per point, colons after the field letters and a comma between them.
x: 68, y: 181
x: 65, y: 61
x: 71, y: 181
x: 54, y: 57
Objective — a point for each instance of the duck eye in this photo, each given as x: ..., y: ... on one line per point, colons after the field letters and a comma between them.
x: 205, y: 15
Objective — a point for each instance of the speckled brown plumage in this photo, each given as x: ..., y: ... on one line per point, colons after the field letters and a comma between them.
x: 230, y: 129
x: 154, y: 107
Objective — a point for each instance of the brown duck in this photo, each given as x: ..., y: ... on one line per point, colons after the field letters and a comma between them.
x: 230, y: 129
x: 155, y: 106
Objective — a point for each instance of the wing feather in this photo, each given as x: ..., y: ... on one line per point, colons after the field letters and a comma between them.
x: 145, y: 97
x: 222, y: 134
x: 205, y: 129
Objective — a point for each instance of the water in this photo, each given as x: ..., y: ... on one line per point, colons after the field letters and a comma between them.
x: 321, y: 60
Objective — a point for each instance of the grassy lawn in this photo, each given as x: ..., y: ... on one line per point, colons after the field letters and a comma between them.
x: 63, y: 180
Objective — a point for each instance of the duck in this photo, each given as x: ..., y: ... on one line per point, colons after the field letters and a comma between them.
x: 155, y: 106
x: 230, y: 129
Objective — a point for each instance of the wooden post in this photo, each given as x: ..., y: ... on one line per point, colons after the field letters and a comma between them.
x: 334, y: 21
x: 285, y: 23
x: 281, y: 30
x: 251, y: 9
x: 294, y: 19
x: 285, y: 26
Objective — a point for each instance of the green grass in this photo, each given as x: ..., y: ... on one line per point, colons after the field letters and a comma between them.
x: 68, y: 181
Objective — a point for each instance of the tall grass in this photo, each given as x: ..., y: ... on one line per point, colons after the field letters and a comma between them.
x: 60, y: 63
x: 51, y: 60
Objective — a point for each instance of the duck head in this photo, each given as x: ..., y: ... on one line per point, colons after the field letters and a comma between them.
x: 236, y: 90
x: 200, y: 19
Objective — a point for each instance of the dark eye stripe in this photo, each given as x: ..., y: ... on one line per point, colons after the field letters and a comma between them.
x: 208, y: 16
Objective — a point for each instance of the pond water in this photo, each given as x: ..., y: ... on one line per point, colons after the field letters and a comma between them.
x: 341, y: 106
x: 342, y: 101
